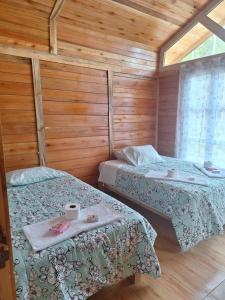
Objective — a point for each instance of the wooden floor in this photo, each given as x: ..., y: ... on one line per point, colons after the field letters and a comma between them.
x: 197, y: 274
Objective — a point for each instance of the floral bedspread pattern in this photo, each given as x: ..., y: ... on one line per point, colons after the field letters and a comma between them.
x: 197, y: 212
x: 80, y: 266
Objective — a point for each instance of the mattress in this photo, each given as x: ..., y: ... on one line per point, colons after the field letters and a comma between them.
x: 197, y: 212
x: 78, y: 267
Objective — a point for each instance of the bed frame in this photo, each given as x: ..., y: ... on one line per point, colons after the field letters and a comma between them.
x: 110, y: 189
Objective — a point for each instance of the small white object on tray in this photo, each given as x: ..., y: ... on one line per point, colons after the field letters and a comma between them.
x: 92, y: 218
x: 212, y: 171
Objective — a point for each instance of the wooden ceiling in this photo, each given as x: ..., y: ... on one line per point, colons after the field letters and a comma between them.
x: 148, y: 22
x: 124, y: 25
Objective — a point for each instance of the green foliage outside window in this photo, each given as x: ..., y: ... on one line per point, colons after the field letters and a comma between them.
x: 213, y: 45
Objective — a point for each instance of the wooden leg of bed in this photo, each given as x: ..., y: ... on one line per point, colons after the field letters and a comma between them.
x: 101, y: 186
x: 134, y: 278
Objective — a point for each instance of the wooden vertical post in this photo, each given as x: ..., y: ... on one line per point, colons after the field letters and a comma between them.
x: 110, y: 110
x: 39, y: 110
x: 7, y: 280
x: 53, y: 26
x: 157, y: 115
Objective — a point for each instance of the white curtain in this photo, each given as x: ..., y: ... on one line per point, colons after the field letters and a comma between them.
x: 201, y: 112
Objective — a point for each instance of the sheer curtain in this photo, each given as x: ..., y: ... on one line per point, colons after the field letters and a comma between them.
x: 201, y: 112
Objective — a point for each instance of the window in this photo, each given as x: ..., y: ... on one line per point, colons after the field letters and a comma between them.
x: 201, y: 113
x: 204, y: 36
x: 194, y: 39
x: 213, y: 45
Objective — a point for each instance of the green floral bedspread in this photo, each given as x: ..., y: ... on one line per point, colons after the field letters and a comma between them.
x: 197, y: 212
x: 79, y: 267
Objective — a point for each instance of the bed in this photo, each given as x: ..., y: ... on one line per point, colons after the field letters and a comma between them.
x: 78, y: 267
x: 196, y: 212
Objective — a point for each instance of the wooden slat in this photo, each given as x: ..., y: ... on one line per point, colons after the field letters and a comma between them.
x: 20, y: 148
x: 73, y: 121
x: 76, y: 143
x: 213, y: 27
x: 74, y: 96
x: 68, y: 108
x: 77, y: 163
x: 39, y: 110
x: 148, y: 11
x: 71, y: 85
x: 60, y: 155
x: 17, y: 102
x: 135, y: 110
x: 133, y: 118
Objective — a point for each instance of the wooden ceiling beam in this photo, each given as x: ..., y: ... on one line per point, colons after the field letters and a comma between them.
x: 213, y: 27
x: 53, y: 26
x: 148, y: 11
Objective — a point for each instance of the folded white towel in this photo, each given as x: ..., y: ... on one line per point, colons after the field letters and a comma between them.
x: 40, y: 237
x: 162, y: 175
x: 221, y: 174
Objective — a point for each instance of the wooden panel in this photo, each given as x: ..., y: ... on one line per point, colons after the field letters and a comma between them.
x: 117, y: 20
x: 76, y: 125
x: 134, y: 110
x: 18, y: 113
x: 167, y: 112
x: 25, y: 23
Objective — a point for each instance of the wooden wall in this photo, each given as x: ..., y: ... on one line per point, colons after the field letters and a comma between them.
x: 167, y: 112
x: 75, y: 104
x: 76, y: 115
x: 75, y: 99
x: 17, y: 113
x: 134, y: 110
x: 25, y: 23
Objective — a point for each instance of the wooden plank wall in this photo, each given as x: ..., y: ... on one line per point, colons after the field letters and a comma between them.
x: 75, y: 99
x: 25, y: 23
x: 17, y: 112
x: 167, y: 112
x: 134, y: 110
x: 75, y: 104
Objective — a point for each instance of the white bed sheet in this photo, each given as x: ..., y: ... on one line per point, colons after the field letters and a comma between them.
x: 108, y: 171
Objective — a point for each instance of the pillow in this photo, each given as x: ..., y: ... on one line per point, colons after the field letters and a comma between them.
x: 119, y: 155
x: 139, y: 155
x: 32, y: 175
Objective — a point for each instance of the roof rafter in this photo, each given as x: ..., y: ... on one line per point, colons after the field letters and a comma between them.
x: 148, y: 11
x: 213, y: 27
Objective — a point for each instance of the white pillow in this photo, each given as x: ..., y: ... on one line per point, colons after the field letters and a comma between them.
x: 139, y: 155
x: 32, y: 175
